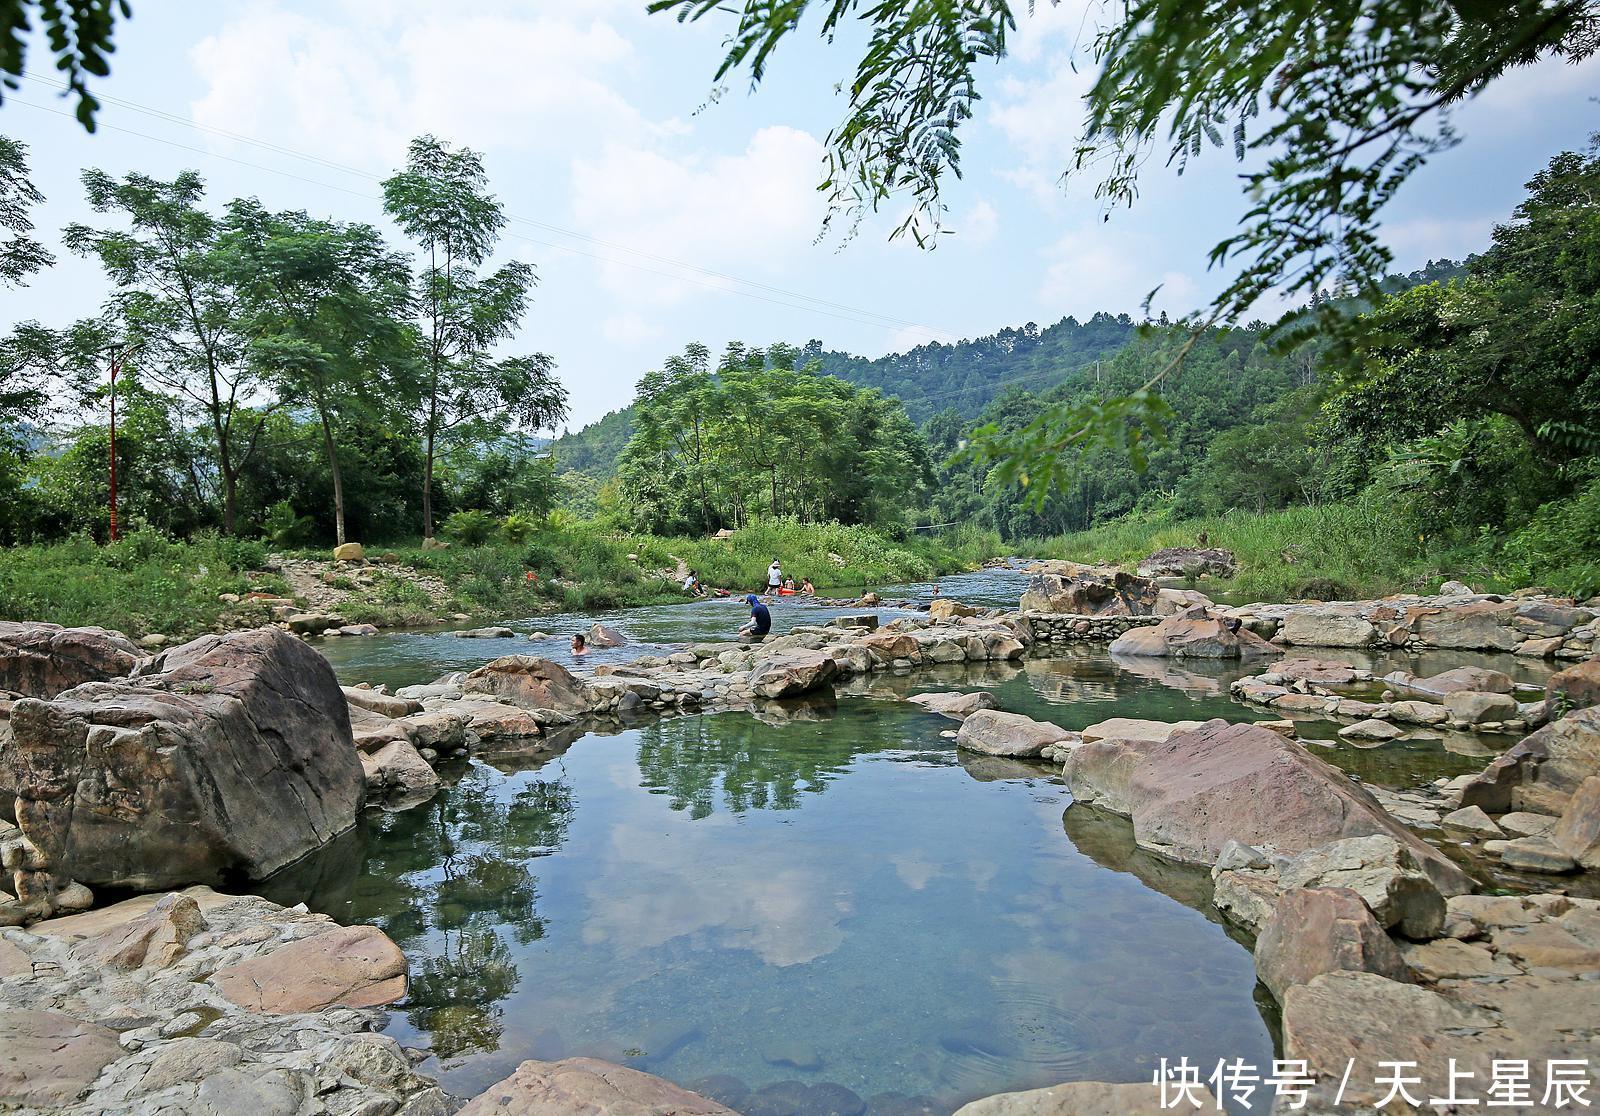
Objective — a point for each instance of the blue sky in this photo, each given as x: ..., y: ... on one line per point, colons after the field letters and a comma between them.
x: 590, y: 116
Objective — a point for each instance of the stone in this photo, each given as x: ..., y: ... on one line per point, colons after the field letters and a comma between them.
x: 1371, y: 731
x: 1578, y: 832
x: 954, y: 705
x: 432, y: 543
x: 602, y: 636
x: 1520, y: 823
x: 1542, y: 769
x: 1543, y: 619
x: 587, y: 1087
x: 1470, y: 678
x: 1450, y: 959
x: 1472, y: 821
x: 1192, y: 636
x: 188, y: 1059
x: 996, y: 733
x: 347, y: 966
x: 42, y: 660
x: 385, y: 704
x: 1475, y: 708
x: 1190, y: 794
x: 1384, y: 874
x: 349, y: 552
x: 1479, y: 626
x: 1538, y: 648
x: 1314, y: 627
x: 530, y: 682
x: 1314, y: 931
x: 1455, y: 589
x: 154, y: 939
x: 370, y: 731
x: 943, y: 610
x: 225, y: 758
x: 1575, y: 687
x: 398, y: 774
x: 790, y: 673
x: 13, y: 961
x: 1189, y: 561
x: 1136, y: 728
x: 1170, y: 602
x: 1324, y: 672
x: 494, y: 633
x: 1248, y: 898
x: 79, y: 928
x: 438, y: 729
x: 1090, y: 592
x: 1418, y: 712
x: 48, y: 1059
x: 1084, y: 1098
x: 1537, y: 854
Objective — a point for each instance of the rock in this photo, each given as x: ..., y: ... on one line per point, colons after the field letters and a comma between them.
x: 1189, y: 561
x: 1575, y: 687
x: 789, y: 673
x: 1538, y: 648
x: 154, y: 939
x: 188, y: 1059
x: 1248, y: 898
x: 399, y: 774
x: 494, y: 722
x: 358, y: 629
x: 995, y: 733
x: 1190, y: 794
x: 1091, y: 592
x: 1084, y: 1098
x: 154, y: 641
x: 587, y: 1087
x: 867, y: 620
x: 1478, y: 679
x: 1372, y: 731
x: 226, y: 758
x: 1542, y: 769
x: 530, y: 682
x: 48, y: 1059
x: 1578, y: 832
x: 1472, y: 821
x: 1454, y: 589
x: 1537, y: 854
x: 1480, y: 626
x: 1475, y: 708
x: 380, y: 703
x: 371, y: 731
x: 494, y: 633
x: 307, y: 623
x: 1544, y: 620
x: 349, y: 552
x: 1520, y: 823
x: 1170, y: 602
x: 79, y: 928
x: 1320, y: 627
x: 1323, y: 930
x: 348, y: 966
x: 944, y: 610
x: 441, y: 730
x: 1386, y: 876
x: 1192, y: 636
x: 1324, y: 672
x: 1418, y: 712
x: 955, y: 706
x: 887, y: 646
x: 435, y: 544
x: 602, y: 636
x: 42, y: 660
x: 1135, y: 728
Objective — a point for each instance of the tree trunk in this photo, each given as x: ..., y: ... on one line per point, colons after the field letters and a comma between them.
x: 427, y: 486
x: 338, y: 481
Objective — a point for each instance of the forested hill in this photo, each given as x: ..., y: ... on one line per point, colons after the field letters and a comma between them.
x: 965, y: 376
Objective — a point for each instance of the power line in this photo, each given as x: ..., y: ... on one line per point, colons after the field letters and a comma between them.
x: 849, y: 313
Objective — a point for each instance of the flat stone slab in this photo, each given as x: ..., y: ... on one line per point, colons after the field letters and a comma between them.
x: 48, y: 1059
x: 91, y: 924
x: 588, y: 1087
x: 352, y: 966
x: 1136, y: 728
x: 1084, y: 1098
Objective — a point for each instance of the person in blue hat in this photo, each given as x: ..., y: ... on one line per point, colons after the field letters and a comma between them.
x: 760, y: 619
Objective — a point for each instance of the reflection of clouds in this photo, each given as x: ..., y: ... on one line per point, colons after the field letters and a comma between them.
x: 752, y: 896
x: 914, y: 870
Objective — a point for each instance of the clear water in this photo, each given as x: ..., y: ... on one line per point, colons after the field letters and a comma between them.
x: 836, y: 902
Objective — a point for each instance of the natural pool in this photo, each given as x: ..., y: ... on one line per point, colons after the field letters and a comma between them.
x: 835, y: 902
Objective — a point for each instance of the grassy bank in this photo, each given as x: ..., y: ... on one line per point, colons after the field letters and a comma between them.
x: 150, y: 583
x: 1356, y: 550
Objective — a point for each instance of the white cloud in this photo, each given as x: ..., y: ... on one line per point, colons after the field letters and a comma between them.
x: 1041, y: 120
x: 979, y: 226
x: 629, y: 329
x: 749, y: 211
x: 1432, y: 238
x: 1087, y: 271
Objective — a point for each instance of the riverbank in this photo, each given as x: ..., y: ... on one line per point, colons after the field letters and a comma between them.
x: 149, y: 584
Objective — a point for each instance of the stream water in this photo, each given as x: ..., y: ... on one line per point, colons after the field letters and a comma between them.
x: 830, y: 913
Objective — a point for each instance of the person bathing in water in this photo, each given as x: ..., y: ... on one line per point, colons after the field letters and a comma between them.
x: 806, y: 588
x: 580, y: 646
x: 760, y: 620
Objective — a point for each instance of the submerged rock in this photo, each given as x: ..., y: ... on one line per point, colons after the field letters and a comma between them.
x: 587, y: 1087
x: 1083, y: 1098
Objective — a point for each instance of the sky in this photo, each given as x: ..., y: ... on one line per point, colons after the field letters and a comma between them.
x: 656, y: 216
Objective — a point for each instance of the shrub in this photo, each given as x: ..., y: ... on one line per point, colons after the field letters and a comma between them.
x: 516, y: 528
x: 471, y: 528
x: 281, y: 527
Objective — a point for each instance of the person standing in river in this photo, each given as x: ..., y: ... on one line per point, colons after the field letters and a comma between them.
x: 774, y: 576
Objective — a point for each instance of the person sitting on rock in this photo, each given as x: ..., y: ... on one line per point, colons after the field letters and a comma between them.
x: 760, y: 620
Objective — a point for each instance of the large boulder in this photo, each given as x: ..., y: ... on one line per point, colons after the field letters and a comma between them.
x: 789, y: 673
x: 1323, y: 930
x: 351, y: 966
x: 1189, y: 561
x: 1479, y: 626
x: 42, y: 660
x: 1466, y: 679
x: 398, y: 775
x: 1384, y: 874
x: 1190, y: 794
x: 602, y: 636
x: 225, y: 759
x: 1575, y: 687
x: 1091, y: 592
x: 587, y: 1087
x: 1578, y: 832
x: 1542, y: 769
x: 1326, y: 627
x: 993, y: 732
x: 1193, y: 635
x: 531, y: 682
x: 944, y: 610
